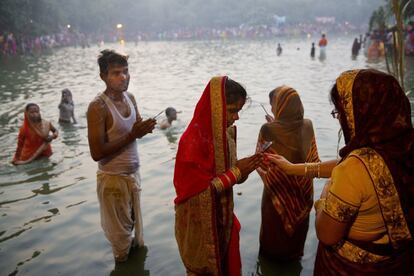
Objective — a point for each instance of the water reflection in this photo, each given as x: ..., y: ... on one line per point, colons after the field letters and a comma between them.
x: 44, y: 195
x: 69, y: 134
x: 135, y: 264
x: 266, y: 267
x: 172, y: 133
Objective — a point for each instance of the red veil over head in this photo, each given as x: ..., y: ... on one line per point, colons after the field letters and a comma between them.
x: 202, y: 155
x: 202, y: 151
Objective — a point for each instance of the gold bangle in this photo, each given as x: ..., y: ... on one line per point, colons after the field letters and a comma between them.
x: 237, y: 173
x: 313, y: 170
x: 319, y: 169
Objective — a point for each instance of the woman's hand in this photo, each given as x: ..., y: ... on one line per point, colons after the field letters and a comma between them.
x: 279, y: 161
x: 249, y: 164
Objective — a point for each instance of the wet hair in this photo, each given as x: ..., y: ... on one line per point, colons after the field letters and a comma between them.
x: 334, y: 96
x: 29, y: 105
x: 110, y: 57
x: 169, y: 111
x: 234, y: 91
x: 271, y: 94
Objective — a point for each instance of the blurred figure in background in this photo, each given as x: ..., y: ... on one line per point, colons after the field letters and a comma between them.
x: 279, y: 49
x: 66, y: 107
x: 323, y: 42
x: 312, y: 53
x: 171, y: 115
x: 356, y: 46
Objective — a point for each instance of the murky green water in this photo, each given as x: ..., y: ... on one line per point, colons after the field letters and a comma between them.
x: 49, y: 216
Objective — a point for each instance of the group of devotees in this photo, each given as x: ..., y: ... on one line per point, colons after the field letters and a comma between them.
x: 365, y: 214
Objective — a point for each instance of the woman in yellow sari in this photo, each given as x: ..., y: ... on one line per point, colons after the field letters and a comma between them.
x: 206, y: 168
x: 365, y: 217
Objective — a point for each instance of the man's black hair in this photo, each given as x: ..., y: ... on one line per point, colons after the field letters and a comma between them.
x: 109, y: 57
x: 170, y: 110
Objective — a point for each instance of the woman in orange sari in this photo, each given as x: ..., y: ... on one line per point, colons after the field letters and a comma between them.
x: 206, y: 168
x: 34, y: 140
x: 287, y: 200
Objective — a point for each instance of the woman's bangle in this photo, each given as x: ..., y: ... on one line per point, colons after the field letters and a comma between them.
x: 236, y: 172
x: 313, y: 170
x: 227, y: 179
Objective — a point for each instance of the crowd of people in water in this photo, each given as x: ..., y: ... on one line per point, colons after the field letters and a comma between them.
x: 364, y: 215
x: 12, y: 44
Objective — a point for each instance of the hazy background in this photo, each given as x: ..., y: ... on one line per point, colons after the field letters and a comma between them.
x: 36, y: 17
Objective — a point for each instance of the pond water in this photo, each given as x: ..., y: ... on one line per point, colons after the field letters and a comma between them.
x: 49, y: 213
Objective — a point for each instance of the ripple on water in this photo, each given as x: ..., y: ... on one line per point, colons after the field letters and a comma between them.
x: 49, y: 211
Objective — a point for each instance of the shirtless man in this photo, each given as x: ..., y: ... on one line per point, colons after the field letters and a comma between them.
x: 171, y: 115
x: 66, y: 107
x: 114, y: 124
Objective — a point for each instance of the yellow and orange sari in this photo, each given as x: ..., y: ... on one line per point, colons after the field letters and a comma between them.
x: 375, y: 117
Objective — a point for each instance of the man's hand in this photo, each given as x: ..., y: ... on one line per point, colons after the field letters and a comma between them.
x: 269, y: 118
x: 249, y: 164
x: 142, y: 128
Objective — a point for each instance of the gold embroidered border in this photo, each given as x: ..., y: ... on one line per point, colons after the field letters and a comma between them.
x: 338, y: 209
x: 387, y: 194
x: 217, y: 124
x: 355, y: 254
x: 196, y: 221
x: 281, y: 106
x: 344, y: 84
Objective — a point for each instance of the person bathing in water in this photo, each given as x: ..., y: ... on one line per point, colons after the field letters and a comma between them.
x: 66, y: 107
x: 171, y: 115
x: 34, y: 137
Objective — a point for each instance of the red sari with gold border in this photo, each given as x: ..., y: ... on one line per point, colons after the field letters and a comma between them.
x: 206, y: 229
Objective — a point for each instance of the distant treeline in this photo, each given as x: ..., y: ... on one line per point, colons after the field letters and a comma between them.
x: 37, y: 17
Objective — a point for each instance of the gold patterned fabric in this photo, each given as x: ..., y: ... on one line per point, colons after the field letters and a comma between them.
x: 375, y: 115
x: 375, y: 112
x: 356, y: 254
x: 344, y: 85
x: 339, y: 210
x: 387, y: 194
x: 218, y: 124
x: 206, y: 228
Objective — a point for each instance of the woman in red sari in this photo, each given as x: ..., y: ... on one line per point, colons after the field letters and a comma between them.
x: 34, y: 138
x: 206, y: 229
